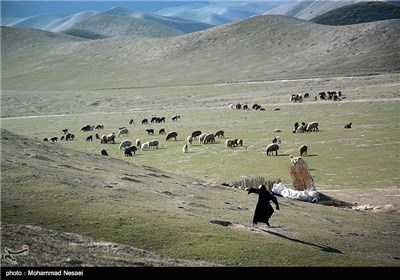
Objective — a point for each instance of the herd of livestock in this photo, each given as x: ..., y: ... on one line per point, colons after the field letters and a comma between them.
x: 130, y: 147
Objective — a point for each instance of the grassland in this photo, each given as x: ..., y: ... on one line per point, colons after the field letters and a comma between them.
x: 174, y: 213
x: 174, y: 204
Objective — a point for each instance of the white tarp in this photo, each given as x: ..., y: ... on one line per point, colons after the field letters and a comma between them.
x: 311, y: 195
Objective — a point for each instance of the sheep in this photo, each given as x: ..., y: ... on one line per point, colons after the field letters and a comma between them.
x: 125, y: 143
x: 301, y: 129
x: 89, y: 138
x: 131, y: 121
x: 176, y: 118
x: 104, y: 152
x: 196, y: 133
x: 271, y: 148
x: 46, y: 139
x: 277, y: 140
x: 128, y: 153
x: 153, y: 143
x: 312, y: 126
x: 123, y: 130
x: 69, y: 137
x: 230, y: 143
x: 185, y: 148
x: 296, y: 160
x: 138, y: 144
x: 103, y: 139
x: 65, y: 131
x: 97, y: 136
x: 220, y: 133
x: 55, y: 138
x: 189, y: 139
x: 170, y: 135
x: 277, y: 130
x: 111, y: 138
x: 201, y: 137
x: 145, y: 121
x: 145, y: 146
x: 131, y: 148
x: 150, y: 131
x: 303, y: 150
x: 209, y: 138
x: 62, y: 138
x: 161, y: 131
x: 239, y: 142
x: 348, y: 125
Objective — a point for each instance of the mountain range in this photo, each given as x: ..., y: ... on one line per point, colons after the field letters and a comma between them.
x: 254, y: 49
x: 172, y: 20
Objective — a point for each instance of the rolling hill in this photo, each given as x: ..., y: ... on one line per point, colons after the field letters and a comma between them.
x: 259, y: 48
x: 359, y: 13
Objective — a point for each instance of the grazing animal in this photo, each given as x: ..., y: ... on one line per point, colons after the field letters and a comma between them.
x: 62, y: 138
x: 123, y: 130
x: 150, y: 131
x: 271, y: 148
x: 111, y: 138
x: 303, y: 150
x: 128, y: 153
x: 65, y: 130
x: 209, y: 138
x: 53, y: 139
x: 145, y: 121
x: 296, y: 160
x: 312, y: 126
x: 277, y: 140
x: 131, y: 121
x: 189, y: 139
x: 230, y: 143
x: 104, y: 152
x: 132, y: 149
x: 97, y: 136
x: 196, y: 134
x: 153, y: 143
x: 125, y: 143
x: 45, y: 139
x: 348, y: 125
x: 145, y: 146
x: 220, y: 133
x: 277, y: 130
x: 176, y: 118
x: 99, y: 126
x: 239, y: 142
x: 201, y: 137
x: 185, y: 148
x: 138, y: 144
x: 170, y: 135
x: 89, y: 138
x: 69, y: 137
x: 162, y: 131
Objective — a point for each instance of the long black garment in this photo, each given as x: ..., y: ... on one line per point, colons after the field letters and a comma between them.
x: 264, y: 209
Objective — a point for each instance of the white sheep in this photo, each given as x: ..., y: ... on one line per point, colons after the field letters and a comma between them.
x: 296, y: 160
x: 145, y: 146
x: 185, y: 148
x: 125, y: 143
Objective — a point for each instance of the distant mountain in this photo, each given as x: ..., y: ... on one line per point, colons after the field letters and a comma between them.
x: 254, y: 49
x: 118, y: 21
x: 307, y: 9
x: 217, y: 13
x: 184, y: 25
x: 108, y: 25
x: 359, y: 13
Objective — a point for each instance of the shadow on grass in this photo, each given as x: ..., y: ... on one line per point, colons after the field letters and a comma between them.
x: 323, y: 248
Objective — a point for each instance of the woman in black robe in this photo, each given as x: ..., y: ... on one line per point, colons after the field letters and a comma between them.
x: 264, y: 209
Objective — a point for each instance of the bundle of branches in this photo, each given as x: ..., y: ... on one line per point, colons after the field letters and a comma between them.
x: 301, y: 176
